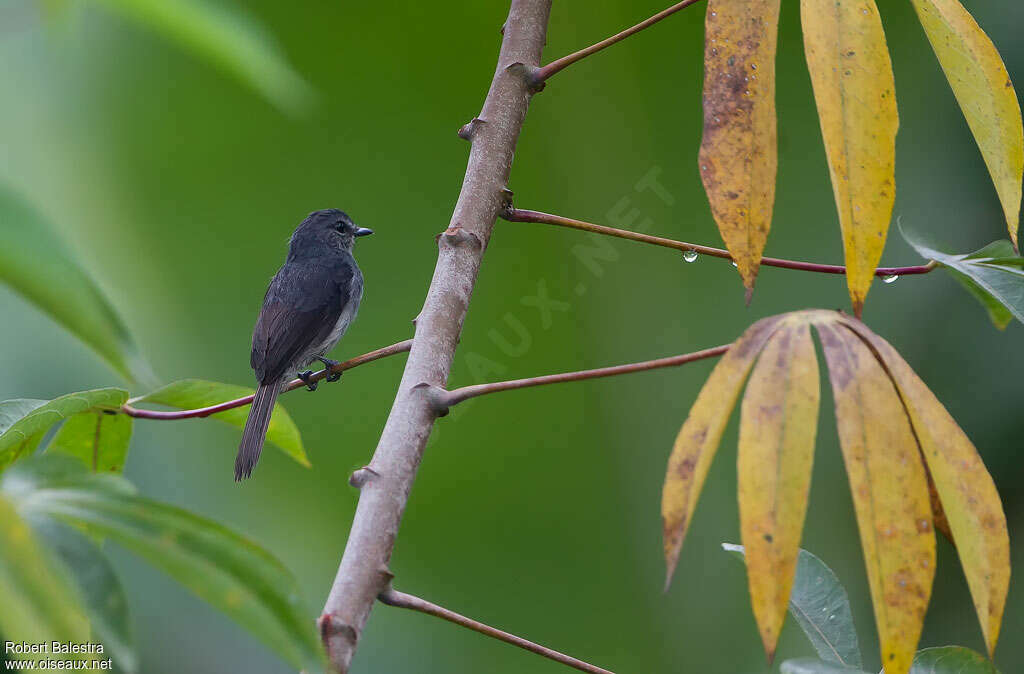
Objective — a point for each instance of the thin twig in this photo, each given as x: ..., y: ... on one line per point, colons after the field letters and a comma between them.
x: 456, y: 396
x: 521, y: 215
x: 377, y: 354
x: 393, y: 597
x: 546, y: 72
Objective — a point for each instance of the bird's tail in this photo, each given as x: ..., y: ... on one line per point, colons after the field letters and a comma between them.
x: 255, y: 429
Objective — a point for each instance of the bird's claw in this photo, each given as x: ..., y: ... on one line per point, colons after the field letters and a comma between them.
x: 305, y: 377
x: 330, y: 365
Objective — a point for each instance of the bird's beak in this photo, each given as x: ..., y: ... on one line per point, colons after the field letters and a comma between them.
x: 363, y: 231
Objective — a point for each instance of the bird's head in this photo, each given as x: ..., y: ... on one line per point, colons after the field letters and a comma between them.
x: 325, y: 231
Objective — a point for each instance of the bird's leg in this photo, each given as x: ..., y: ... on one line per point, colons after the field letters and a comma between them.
x: 330, y: 365
x: 304, y: 376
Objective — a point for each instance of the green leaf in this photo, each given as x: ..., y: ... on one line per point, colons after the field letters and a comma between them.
x: 102, y: 595
x: 812, y: 666
x: 226, y: 570
x: 226, y: 38
x: 20, y: 437
x: 97, y: 439
x: 821, y: 607
x: 994, y: 275
x: 36, y: 263
x: 38, y: 603
x: 951, y: 660
x: 190, y: 394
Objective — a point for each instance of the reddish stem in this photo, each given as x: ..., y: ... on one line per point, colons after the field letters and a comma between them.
x: 393, y: 597
x: 546, y: 72
x: 521, y: 215
x: 377, y: 354
x: 446, y: 399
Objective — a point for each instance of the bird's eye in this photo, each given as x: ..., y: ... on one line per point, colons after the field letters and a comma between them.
x: 340, y: 226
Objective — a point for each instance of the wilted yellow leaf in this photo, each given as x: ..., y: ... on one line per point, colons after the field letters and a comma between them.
x: 965, y: 488
x: 698, y: 439
x: 778, y: 423
x: 738, y: 155
x: 983, y: 88
x: 854, y: 90
x: 890, y: 492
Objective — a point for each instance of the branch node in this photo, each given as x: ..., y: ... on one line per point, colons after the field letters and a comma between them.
x: 360, y: 477
x: 456, y: 236
x: 531, y: 75
x: 506, y: 202
x: 436, y: 396
x: 330, y: 627
x: 468, y: 130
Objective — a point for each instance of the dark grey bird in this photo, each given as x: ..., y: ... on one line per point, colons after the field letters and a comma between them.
x: 309, y: 305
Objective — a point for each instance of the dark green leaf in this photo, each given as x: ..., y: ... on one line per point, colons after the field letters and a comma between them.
x: 821, y: 607
x: 36, y: 263
x: 194, y: 393
x: 994, y: 275
x: 38, y: 605
x: 97, y: 439
x: 226, y: 38
x: 226, y: 570
x: 21, y: 437
x: 812, y: 666
x: 951, y: 660
x: 102, y: 596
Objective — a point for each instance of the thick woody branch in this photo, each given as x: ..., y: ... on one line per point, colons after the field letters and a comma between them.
x: 377, y: 354
x: 386, y: 482
x: 521, y: 215
x: 445, y: 399
x: 393, y: 597
x: 545, y: 73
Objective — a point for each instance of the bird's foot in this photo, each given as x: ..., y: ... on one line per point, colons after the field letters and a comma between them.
x: 330, y: 365
x: 305, y: 377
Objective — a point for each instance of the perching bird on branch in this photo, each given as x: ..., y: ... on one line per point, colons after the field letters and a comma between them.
x: 308, y: 307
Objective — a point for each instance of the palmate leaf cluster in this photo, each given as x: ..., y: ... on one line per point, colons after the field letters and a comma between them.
x: 898, y: 444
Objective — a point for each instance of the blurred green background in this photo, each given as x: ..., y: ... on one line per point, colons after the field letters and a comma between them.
x: 535, y: 511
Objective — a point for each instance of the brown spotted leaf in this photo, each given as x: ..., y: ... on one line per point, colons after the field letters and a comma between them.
x: 738, y: 154
x: 890, y: 492
x: 966, y: 490
x: 698, y: 439
x: 848, y: 59
x: 778, y: 423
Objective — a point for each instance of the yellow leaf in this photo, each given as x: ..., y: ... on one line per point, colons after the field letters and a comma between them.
x: 698, y: 439
x: 854, y: 90
x: 983, y: 88
x: 738, y: 155
x: 778, y: 423
x: 890, y: 492
x: 966, y: 490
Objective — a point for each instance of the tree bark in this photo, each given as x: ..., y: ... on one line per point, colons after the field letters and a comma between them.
x: 385, y: 484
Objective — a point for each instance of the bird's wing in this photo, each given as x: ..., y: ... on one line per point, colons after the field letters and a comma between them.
x: 299, y: 312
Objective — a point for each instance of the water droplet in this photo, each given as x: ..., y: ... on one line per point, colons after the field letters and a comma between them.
x: 832, y: 618
x: 703, y: 167
x: 690, y: 255
x: 889, y: 278
x: 753, y: 66
x: 734, y: 263
x: 714, y: 13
